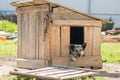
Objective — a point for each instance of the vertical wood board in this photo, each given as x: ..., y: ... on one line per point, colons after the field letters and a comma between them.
x: 26, y: 33
x: 41, y: 35
x: 46, y: 36
x: 19, y: 50
x: 61, y: 61
x: 65, y: 41
x: 37, y: 25
x: 55, y: 41
x: 23, y: 37
x: 97, y: 41
x: 32, y: 36
x: 88, y: 35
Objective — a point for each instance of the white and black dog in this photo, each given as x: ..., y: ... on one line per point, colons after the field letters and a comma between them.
x: 77, y: 50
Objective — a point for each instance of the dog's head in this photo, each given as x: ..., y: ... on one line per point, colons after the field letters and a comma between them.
x: 77, y: 50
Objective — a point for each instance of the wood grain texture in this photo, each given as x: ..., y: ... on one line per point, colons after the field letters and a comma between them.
x: 26, y: 34
x: 55, y: 41
x: 73, y: 14
x: 32, y: 36
x: 64, y: 61
x: 37, y: 25
x: 88, y: 35
x: 93, y: 23
x: 56, y: 73
x: 41, y: 35
x: 23, y: 37
x: 29, y: 9
x: 65, y: 41
x: 97, y: 41
x: 31, y: 64
x: 87, y: 61
x: 46, y: 36
x: 19, y: 50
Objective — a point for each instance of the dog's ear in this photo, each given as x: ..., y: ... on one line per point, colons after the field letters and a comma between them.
x: 84, y: 45
x: 72, y: 46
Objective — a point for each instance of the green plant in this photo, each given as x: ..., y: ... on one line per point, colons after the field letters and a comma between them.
x: 110, y: 52
x: 8, y: 26
x: 108, y: 26
x: 13, y: 77
x: 8, y: 48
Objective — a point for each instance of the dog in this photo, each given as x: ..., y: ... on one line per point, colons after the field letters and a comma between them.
x: 77, y: 50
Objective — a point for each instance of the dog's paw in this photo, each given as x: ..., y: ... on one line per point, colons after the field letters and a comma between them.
x: 72, y: 58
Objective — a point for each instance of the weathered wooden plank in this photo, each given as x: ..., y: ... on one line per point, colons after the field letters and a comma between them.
x: 34, y: 70
x: 55, y: 41
x: 44, y: 72
x: 87, y: 61
x: 65, y: 74
x: 60, y: 73
x: 23, y: 37
x: 19, y: 50
x: 58, y: 44
x: 37, y: 25
x: 38, y: 70
x: 52, y: 42
x: 26, y: 35
x: 31, y: 64
x: 65, y: 40
x: 46, y: 25
x: 32, y: 36
x: 89, y: 23
x: 64, y: 61
x: 47, y: 48
x: 41, y: 35
x: 72, y: 16
x: 88, y: 37
x: 97, y: 41
x: 85, y: 74
x: 28, y: 9
x: 33, y: 75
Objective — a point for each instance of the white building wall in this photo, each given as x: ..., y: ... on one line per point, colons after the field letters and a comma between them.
x: 4, y: 5
x: 81, y: 5
x: 105, y: 6
x: 106, y: 9
x: 100, y: 8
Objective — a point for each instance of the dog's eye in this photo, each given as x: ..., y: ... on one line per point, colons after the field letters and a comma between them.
x: 76, y: 50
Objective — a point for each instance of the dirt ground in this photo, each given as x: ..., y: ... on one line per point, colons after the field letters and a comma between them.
x: 110, y: 71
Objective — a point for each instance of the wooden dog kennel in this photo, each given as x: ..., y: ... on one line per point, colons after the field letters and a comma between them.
x: 46, y: 30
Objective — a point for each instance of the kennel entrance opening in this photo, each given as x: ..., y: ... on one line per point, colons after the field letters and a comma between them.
x: 76, y: 35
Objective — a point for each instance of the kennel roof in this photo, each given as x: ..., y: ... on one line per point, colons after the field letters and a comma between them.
x: 23, y: 3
